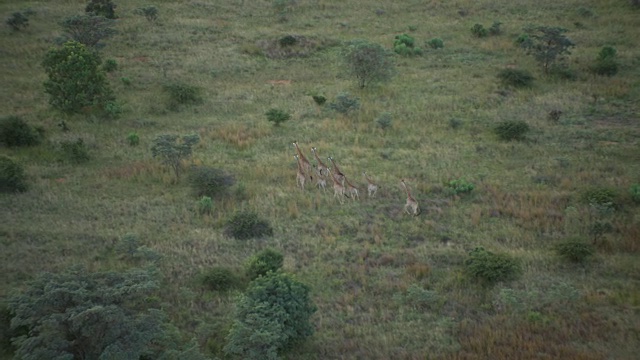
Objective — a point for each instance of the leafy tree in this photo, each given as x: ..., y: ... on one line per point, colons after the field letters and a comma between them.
x: 104, y: 8
x: 82, y: 315
x: 547, y: 44
x: 76, y: 81
x: 272, y: 316
x: 368, y: 62
x: 88, y: 29
x: 171, y: 151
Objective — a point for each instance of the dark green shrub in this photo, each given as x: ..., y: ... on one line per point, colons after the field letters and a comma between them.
x: 599, y: 228
x: 435, y: 43
x: 479, y: 31
x: 490, y: 268
x: 110, y: 65
x: 515, y: 77
x: 277, y: 116
x: 12, y: 176
x: 272, y: 316
x: 76, y: 81
x: 405, y: 45
x: 88, y: 30
x: 247, y: 225
x: 149, y: 12
x: 104, y: 8
x: 16, y: 132
x: 459, y: 186
x: 606, y: 63
x: 220, y: 279
x: 511, y: 130
x: 345, y: 103
x: 133, y: 139
x: 319, y: 99
x: 181, y: 94
x: 495, y: 30
x: 75, y: 151
x: 421, y: 299
x: 263, y: 262
x: 208, y: 181
x: 634, y: 192
x: 131, y: 249
x: 288, y: 40
x: 384, y: 121
x: 602, y: 197
x: 575, y: 251
x: 563, y: 72
x: 17, y: 21
x: 455, y: 123
x: 368, y: 62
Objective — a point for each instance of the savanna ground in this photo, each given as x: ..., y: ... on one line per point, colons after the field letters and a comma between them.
x: 373, y: 270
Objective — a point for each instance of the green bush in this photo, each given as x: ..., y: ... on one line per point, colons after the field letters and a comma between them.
x: 12, y: 176
x: 76, y: 81
x: 220, y: 279
x: 319, y: 99
x: 75, y: 151
x: 435, y: 43
x: 495, y: 29
x: 515, y: 77
x: 479, y: 31
x: 368, y: 62
x: 345, y: 103
x: 208, y: 181
x: 277, y: 116
x: 133, y: 139
x: 16, y: 132
x: 455, y: 123
x: 602, y: 197
x: 511, y: 130
x: 606, y: 63
x: 17, y: 21
x: 110, y: 65
x: 181, y: 94
x: 272, y: 316
x: 104, y: 8
x: 263, y: 262
x: 459, y: 186
x: 173, y: 149
x: 247, y: 225
x: 575, y: 251
x: 422, y: 299
x: 205, y: 205
x: 634, y: 192
x: 384, y: 121
x: 405, y: 45
x: 288, y: 40
x: 491, y: 268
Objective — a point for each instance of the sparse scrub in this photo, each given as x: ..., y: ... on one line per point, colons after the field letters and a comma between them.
x: 16, y: 132
x: 110, y: 65
x: 479, y: 31
x: 75, y: 152
x: 277, y: 116
x: 404, y: 45
x: 150, y: 12
x: 205, y: 205
x: 634, y: 192
x: 288, y: 40
x: 495, y: 29
x: 345, y: 103
x: 88, y: 30
x: 104, y: 8
x: 368, y: 62
x: 574, y: 250
x: 12, y: 176
x: 76, y: 81
x: 265, y: 261
x: 491, y: 268
x: 220, y: 279
x: 319, y: 99
x: 181, y: 94
x: 600, y: 197
x: 208, y: 181
x: 512, y: 130
x: 384, y: 121
x: 247, y: 225
x: 17, y: 21
x: 515, y: 77
x: 606, y: 63
x: 435, y: 43
x: 172, y: 150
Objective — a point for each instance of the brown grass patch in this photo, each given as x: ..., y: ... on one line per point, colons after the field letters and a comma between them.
x: 241, y: 136
x: 133, y: 170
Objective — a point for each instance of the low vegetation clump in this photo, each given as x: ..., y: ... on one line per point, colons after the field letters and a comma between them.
x: 600, y: 197
x: 491, y: 268
x: 516, y: 78
x: 265, y: 261
x: 384, y: 121
x: 133, y: 139
x: 248, y: 225
x: 459, y: 186
x: 512, y: 130
x: 319, y: 99
x: 271, y: 317
x: 606, y: 63
x: 181, y: 95
x: 75, y: 151
x: 435, y: 43
x: 110, y: 65
x: 404, y: 45
x: 16, y: 132
x: 576, y: 251
x: 12, y: 176
x: 421, y: 299
x: 205, y: 205
x: 634, y: 192
x: 18, y: 21
x: 209, y: 181
x: 292, y: 46
x: 277, y: 116
x: 345, y: 103
x: 368, y: 62
x: 150, y: 12
x: 104, y: 8
x: 220, y: 279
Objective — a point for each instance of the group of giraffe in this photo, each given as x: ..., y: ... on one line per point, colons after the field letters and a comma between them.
x: 342, y: 187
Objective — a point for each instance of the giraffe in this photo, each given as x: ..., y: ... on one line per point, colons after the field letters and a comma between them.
x: 411, y: 207
x: 300, y: 176
x: 306, y: 165
x: 351, y: 189
x: 322, y: 168
x: 372, y: 188
x: 338, y: 188
x: 336, y: 172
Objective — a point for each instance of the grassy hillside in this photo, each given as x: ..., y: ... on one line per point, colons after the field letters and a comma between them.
x: 387, y: 285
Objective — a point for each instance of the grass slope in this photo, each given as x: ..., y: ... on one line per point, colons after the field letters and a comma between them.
x: 387, y: 285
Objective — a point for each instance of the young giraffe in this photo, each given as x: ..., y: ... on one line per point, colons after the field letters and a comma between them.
x: 372, y: 188
x: 337, y: 173
x: 411, y: 207
x: 306, y: 165
x: 351, y: 189
x: 323, y: 170
x: 338, y: 188
x: 300, y: 176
